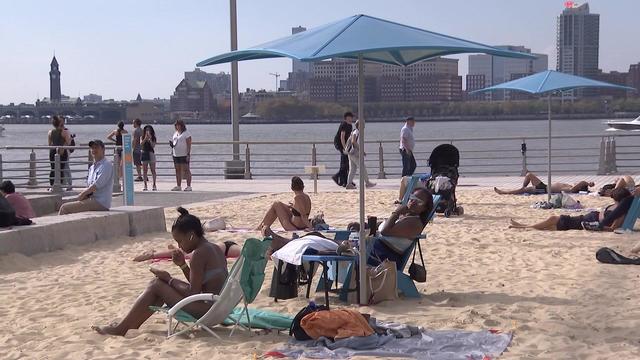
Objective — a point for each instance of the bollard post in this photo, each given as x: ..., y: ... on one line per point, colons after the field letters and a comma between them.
x: 523, y: 151
x: 381, y: 174
x: 602, y: 161
x: 247, y: 163
x: 118, y: 170
x: 57, y: 181
x: 607, y: 156
x: 614, y: 160
x: 33, y: 180
x: 314, y: 176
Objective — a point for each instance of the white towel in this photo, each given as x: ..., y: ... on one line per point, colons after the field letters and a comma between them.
x: 292, y: 252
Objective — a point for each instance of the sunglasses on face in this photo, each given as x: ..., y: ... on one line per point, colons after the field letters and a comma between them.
x: 416, y: 199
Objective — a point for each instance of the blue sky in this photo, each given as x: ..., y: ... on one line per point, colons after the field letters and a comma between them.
x: 118, y: 48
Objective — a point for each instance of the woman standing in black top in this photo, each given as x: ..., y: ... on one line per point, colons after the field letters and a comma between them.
x: 58, y: 137
x: 148, y: 156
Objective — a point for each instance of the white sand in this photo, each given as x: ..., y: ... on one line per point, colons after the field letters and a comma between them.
x: 545, y: 286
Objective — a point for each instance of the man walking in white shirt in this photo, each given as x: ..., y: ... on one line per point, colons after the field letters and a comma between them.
x: 407, y: 144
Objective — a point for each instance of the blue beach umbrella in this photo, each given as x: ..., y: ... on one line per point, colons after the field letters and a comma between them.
x: 364, y: 38
x: 546, y: 83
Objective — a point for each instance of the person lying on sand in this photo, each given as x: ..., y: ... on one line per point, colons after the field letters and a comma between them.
x: 206, y: 272
x: 624, y: 182
x: 566, y: 222
x: 229, y: 248
x: 294, y: 216
x: 533, y: 185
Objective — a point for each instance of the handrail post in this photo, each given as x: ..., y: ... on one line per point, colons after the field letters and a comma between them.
x: 57, y: 181
x: 381, y: 174
x: 614, y: 165
x: 0, y: 167
x: 523, y: 151
x: 33, y: 181
x: 314, y: 159
x: 247, y: 163
x: 89, y: 159
x: 602, y: 161
x: 118, y: 170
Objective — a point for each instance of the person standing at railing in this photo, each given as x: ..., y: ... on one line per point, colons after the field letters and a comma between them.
x: 57, y: 137
x: 353, y: 151
x: 68, y: 176
x: 407, y: 145
x: 136, y: 145
x: 97, y: 195
x: 181, y: 151
x: 148, y: 155
x: 340, y: 143
x: 116, y: 136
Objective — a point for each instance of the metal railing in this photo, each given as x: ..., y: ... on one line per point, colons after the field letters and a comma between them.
x: 29, y: 166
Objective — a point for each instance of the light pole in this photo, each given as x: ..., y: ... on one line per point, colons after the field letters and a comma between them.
x: 235, y: 116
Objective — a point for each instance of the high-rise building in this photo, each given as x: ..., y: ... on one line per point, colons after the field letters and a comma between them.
x: 297, y: 64
x: 55, y: 92
x: 219, y: 83
x: 577, y: 43
x: 633, y: 79
x: 496, y: 70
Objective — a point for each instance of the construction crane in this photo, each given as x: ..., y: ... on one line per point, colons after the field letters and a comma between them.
x: 276, y: 76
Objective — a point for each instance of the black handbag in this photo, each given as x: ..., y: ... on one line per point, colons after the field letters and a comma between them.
x: 417, y: 272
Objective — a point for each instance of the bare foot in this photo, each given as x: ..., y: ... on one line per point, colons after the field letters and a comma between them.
x: 516, y: 225
x: 498, y: 191
x: 266, y: 231
x: 107, y: 330
x: 635, y: 249
x: 147, y: 255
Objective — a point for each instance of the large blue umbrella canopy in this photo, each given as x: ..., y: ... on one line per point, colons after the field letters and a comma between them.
x: 364, y: 38
x: 546, y: 83
x: 375, y: 39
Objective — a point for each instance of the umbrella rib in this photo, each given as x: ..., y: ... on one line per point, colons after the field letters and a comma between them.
x: 336, y: 35
x: 544, y: 81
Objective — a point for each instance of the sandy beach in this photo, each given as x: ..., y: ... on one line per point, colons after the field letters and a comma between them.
x: 546, y: 287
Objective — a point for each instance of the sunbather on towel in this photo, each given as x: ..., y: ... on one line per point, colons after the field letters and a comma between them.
x: 400, y: 230
x: 229, y: 248
x: 624, y: 182
x: 533, y: 185
x: 294, y: 216
x: 206, y: 272
x: 566, y: 222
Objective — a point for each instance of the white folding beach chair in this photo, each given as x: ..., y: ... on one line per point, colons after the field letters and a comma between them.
x: 223, y: 305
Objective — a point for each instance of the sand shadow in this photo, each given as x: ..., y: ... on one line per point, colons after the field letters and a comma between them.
x: 451, y: 299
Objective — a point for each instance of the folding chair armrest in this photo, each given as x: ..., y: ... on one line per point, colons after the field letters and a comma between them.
x: 190, y: 299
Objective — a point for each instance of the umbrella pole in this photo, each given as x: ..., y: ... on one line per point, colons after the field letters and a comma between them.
x: 549, y: 149
x: 363, y: 244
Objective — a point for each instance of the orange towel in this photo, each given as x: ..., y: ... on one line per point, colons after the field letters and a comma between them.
x: 336, y: 324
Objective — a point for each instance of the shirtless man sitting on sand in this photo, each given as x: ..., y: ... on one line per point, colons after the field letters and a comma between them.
x: 533, y: 185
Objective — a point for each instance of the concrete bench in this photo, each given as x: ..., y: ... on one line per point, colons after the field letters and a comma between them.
x: 50, y: 233
x: 45, y: 204
x: 143, y: 219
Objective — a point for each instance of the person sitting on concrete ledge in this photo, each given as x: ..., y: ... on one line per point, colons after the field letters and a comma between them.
x: 20, y: 204
x: 533, y: 185
x: 97, y: 195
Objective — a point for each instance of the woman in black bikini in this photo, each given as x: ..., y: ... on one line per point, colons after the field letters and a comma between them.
x: 230, y: 248
x: 205, y: 273
x: 566, y: 222
x: 292, y: 216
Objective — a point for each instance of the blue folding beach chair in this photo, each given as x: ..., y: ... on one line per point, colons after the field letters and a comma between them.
x: 411, y: 185
x: 632, y: 215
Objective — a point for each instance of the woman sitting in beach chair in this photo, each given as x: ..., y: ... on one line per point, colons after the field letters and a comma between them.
x: 401, y: 229
x: 533, y: 185
x: 566, y: 222
x: 294, y: 216
x: 206, y: 272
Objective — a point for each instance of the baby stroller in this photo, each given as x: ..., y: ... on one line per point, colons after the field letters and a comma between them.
x: 444, y: 162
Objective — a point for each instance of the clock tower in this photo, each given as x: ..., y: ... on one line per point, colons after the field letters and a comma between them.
x: 54, y: 82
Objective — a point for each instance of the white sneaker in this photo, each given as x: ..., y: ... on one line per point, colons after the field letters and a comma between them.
x: 176, y: 188
x: 188, y: 188
x: 350, y: 187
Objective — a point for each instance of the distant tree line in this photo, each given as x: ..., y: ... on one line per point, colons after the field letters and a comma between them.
x: 293, y: 108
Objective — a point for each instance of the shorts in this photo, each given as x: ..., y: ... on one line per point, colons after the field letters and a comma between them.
x: 541, y: 188
x: 180, y: 160
x: 567, y: 222
x: 148, y: 158
x: 137, y: 157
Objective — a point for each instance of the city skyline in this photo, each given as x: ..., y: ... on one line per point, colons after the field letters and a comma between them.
x: 146, y: 46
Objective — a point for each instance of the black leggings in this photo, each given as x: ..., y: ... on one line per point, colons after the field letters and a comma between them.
x: 63, y: 164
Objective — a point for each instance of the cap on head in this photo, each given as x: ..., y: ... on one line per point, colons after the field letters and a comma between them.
x: 96, y: 142
x: 410, y: 118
